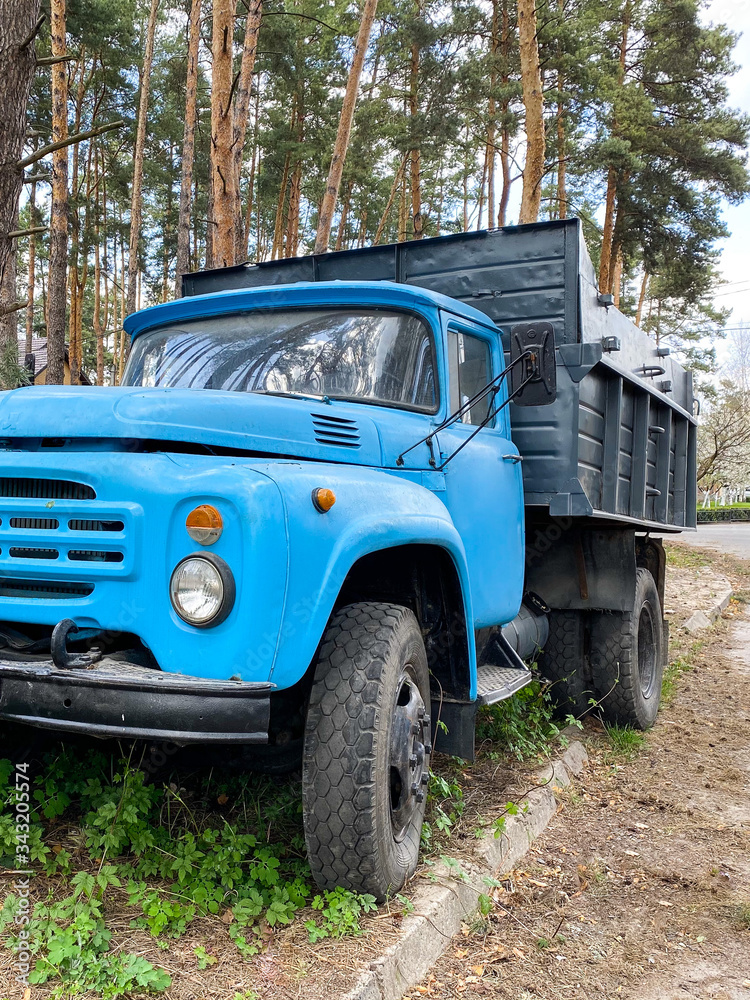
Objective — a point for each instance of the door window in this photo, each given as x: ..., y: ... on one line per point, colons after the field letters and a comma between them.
x: 469, y: 369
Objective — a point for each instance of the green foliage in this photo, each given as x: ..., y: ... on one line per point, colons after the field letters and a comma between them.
x: 341, y: 912
x: 71, y: 944
x: 12, y: 374
x: 160, y: 915
x: 523, y: 725
x: 204, y: 959
x: 166, y: 854
x: 445, y: 806
x: 661, y: 129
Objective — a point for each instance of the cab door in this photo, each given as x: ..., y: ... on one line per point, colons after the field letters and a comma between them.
x: 483, y: 482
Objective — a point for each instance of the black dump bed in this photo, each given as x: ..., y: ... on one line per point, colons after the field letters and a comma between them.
x: 619, y: 441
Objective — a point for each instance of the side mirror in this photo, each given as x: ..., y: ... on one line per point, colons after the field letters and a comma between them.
x: 533, y: 377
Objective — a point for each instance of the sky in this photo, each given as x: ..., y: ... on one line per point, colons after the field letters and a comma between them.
x: 735, y: 257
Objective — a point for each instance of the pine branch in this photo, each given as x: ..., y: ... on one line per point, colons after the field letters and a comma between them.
x: 32, y: 34
x: 51, y: 60
x: 13, y: 307
x: 39, y: 154
x: 33, y: 178
x: 306, y: 17
x: 18, y: 233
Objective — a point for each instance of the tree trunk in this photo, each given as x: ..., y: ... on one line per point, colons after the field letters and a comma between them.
x: 223, y: 170
x: 416, y: 179
x: 492, y: 120
x: 188, y: 147
x: 617, y: 279
x: 120, y: 339
x: 242, y: 110
x: 9, y: 323
x: 386, y: 211
x: 618, y: 231
x: 341, y: 145
x: 292, y: 224
x: 480, y: 207
x: 403, y: 208
x: 562, y: 195
x: 278, y: 229
x: 16, y: 25
x: 344, y: 216
x: 641, y: 298
x: 136, y: 213
x: 98, y: 332
x: 75, y: 231
x: 606, y: 262
x: 166, y: 232
x: 58, y: 230
x: 502, y: 211
x: 32, y: 271
x: 533, y: 102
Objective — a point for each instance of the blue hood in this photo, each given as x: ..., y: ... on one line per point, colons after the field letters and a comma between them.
x: 335, y: 432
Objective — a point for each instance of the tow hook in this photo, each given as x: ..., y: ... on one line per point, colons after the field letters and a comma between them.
x: 58, y: 646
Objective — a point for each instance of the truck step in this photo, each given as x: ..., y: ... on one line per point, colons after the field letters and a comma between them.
x: 498, y: 683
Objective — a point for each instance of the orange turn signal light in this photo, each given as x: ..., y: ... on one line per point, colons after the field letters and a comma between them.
x: 204, y: 524
x: 323, y: 499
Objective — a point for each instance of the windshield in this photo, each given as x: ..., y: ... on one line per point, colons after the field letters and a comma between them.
x: 373, y: 356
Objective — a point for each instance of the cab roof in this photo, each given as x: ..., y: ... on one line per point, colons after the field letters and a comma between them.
x: 376, y: 294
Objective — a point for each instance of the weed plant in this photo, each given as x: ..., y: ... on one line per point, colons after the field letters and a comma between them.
x: 107, y: 838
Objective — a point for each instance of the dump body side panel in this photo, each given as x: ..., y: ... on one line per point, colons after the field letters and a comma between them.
x: 619, y: 442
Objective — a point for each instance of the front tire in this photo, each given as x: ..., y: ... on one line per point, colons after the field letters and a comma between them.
x: 366, y: 753
x: 627, y: 657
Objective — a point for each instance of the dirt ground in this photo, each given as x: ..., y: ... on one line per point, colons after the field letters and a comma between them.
x: 640, y: 886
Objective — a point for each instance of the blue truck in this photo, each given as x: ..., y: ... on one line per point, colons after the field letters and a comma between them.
x: 340, y: 502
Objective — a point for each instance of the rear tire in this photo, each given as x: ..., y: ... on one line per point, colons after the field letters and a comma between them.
x: 627, y: 657
x: 562, y: 662
x: 366, y: 754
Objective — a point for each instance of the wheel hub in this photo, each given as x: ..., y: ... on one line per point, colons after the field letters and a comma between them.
x: 410, y: 749
x: 646, y: 650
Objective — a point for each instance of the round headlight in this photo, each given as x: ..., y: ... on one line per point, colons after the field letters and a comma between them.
x: 202, y: 590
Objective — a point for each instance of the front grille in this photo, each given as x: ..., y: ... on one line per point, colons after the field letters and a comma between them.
x: 45, y: 489
x: 76, y: 524
x: 335, y: 430
x: 32, y: 553
x: 44, y: 589
x: 71, y: 552
x: 36, y: 523
x: 91, y: 555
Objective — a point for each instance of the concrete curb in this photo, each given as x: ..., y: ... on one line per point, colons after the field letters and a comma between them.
x: 702, y: 619
x: 445, y: 902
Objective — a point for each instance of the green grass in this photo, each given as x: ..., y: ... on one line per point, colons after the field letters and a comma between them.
x: 728, y: 506
x: 681, y: 557
x: 624, y: 741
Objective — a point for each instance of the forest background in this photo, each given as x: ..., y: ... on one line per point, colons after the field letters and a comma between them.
x: 213, y: 132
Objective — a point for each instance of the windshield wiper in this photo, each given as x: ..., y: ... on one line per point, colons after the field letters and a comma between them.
x: 291, y: 395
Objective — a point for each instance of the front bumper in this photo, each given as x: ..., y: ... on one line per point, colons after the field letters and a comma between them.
x: 118, y: 699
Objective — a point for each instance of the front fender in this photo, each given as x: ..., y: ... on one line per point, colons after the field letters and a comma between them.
x: 374, y: 510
